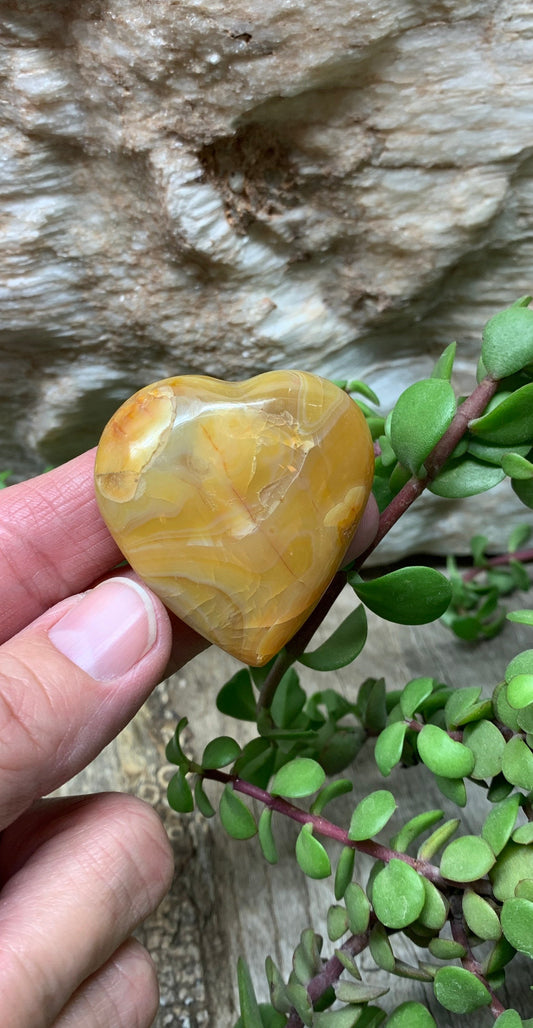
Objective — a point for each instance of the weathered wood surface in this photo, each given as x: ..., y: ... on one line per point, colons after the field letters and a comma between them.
x: 226, y: 900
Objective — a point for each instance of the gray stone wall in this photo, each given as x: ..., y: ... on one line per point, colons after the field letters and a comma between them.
x: 230, y: 186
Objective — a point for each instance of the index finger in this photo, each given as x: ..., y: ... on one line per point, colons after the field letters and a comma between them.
x: 53, y: 542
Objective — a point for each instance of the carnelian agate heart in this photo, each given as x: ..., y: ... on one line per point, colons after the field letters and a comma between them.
x: 235, y: 501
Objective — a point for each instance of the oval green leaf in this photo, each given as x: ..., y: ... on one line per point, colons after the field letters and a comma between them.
x: 179, y: 793
x: 467, y: 477
x: 466, y: 859
x: 236, y: 698
x: 435, y: 910
x: 459, y: 991
x: 500, y: 822
x: 300, y: 777
x: 508, y: 340
x: 413, y: 828
x: 330, y: 792
x: 517, y: 924
x: 414, y: 694
x: 480, y: 917
x: 389, y: 745
x: 311, y: 855
x: 357, y: 908
x: 342, y: 647
x: 516, y: 466
x: 520, y: 691
x: 266, y: 838
x: 487, y: 744
x: 344, y: 872
x: 398, y: 894
x: 514, y: 865
x: 524, y: 834
x: 220, y: 752
x: 408, y: 596
x: 235, y: 816
x: 444, y: 756
x: 371, y: 815
x: 517, y: 763
x: 510, y: 423
x: 420, y: 418
x: 411, y: 1015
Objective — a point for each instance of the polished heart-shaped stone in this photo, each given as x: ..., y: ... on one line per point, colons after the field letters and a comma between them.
x: 236, y: 501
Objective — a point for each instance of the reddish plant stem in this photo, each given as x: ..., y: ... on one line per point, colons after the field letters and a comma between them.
x: 330, y: 973
x: 471, y: 408
x: 469, y: 961
x: 492, y: 562
x: 332, y: 831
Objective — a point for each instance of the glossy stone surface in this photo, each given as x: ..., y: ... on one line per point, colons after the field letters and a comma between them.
x: 235, y: 502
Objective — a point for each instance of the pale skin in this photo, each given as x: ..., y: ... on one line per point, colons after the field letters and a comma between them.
x: 77, y: 875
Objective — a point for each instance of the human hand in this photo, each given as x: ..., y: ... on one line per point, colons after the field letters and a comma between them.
x: 77, y: 874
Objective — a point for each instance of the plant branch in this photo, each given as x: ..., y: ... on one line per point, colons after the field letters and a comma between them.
x: 332, y: 831
x: 505, y: 558
x: 471, y: 408
x: 330, y: 973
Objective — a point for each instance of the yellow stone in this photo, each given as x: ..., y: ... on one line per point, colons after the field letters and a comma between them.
x: 236, y: 501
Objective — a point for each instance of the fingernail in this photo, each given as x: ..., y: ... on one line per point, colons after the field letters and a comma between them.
x: 109, y: 630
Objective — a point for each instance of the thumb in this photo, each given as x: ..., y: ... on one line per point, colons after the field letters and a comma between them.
x: 70, y: 681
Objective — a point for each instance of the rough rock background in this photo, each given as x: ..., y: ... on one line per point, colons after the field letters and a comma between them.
x: 229, y: 186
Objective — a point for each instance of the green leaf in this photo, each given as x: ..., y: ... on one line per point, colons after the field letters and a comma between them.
x: 306, y: 961
x: 203, y: 803
x: 311, y: 855
x: 331, y: 791
x: 500, y: 822
x: 502, y: 708
x: 277, y: 987
x: 443, y: 756
x: 346, y: 1018
x: 420, y: 418
x: 453, y: 788
x: 413, y: 828
x: 511, y: 422
x: 438, y: 839
x: 466, y: 859
x: 398, y: 894
x: 266, y: 838
x: 381, y: 948
x: 467, y: 477
x: 357, y: 908
x: 356, y: 386
x: 517, y: 763
x: 235, y: 816
x: 444, y: 366
x: 359, y: 992
x: 524, y: 491
x: 480, y: 917
x: 523, y: 617
x: 389, y: 746
x: 487, y: 744
x: 509, y: 1019
x: 371, y: 815
x: 522, y: 664
x: 300, y: 1001
x: 337, y: 922
x: 408, y: 596
x: 179, y: 793
x: 220, y: 752
x: 256, y: 762
x: 459, y: 705
x: 524, y: 889
x: 348, y: 963
x: 459, y: 991
x: 300, y: 777
x: 508, y: 341
x: 289, y: 700
x: 524, y: 834
x: 344, y: 872
x: 519, y: 536
x: 514, y: 864
x: 517, y: 924
x: 236, y: 698
x: 342, y: 647
x: 520, y: 691
x: 414, y: 694
x: 435, y: 910
x: 411, y: 1015
x: 446, y: 949
x: 517, y: 466
x: 174, y: 752
x: 251, y: 1017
